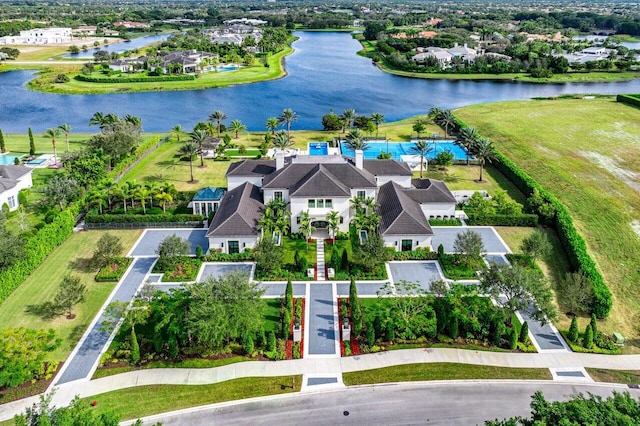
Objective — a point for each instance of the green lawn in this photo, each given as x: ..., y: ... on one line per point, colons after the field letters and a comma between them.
x: 585, y: 152
x: 272, y: 315
x: 615, y: 376
x: 188, y: 363
x: 70, y: 257
x: 290, y: 247
x: 442, y: 371
x: 163, y: 398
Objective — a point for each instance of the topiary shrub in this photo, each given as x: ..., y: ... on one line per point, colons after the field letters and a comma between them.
x: 524, y: 333
x: 587, y: 341
x: 573, y: 330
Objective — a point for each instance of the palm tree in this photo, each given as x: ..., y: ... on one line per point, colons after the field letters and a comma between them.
x: 188, y: 151
x: 357, y: 204
x: 282, y: 140
x: 369, y: 205
x: 97, y: 198
x: 98, y: 119
x: 333, y: 217
x: 141, y: 193
x: 217, y: 117
x: 287, y: 117
x: 53, y: 133
x: 133, y: 187
x: 132, y: 119
x: 355, y: 140
x: 176, y: 131
x: 306, y: 227
x: 377, y: 118
x: 272, y: 124
x: 122, y: 192
x: 348, y: 115
x: 483, y: 151
x: 434, y: 113
x: 66, y: 129
x: 422, y: 148
x: 446, y: 119
x: 237, y: 126
x: 466, y: 139
x: 199, y: 136
x: 153, y: 191
x: 419, y: 127
x: 164, y: 198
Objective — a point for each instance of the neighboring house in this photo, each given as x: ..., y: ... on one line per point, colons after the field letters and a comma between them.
x: 589, y: 54
x: 127, y: 65
x: 84, y: 30
x: 40, y: 36
x: 13, y: 179
x: 207, y: 201
x: 131, y: 25
x: 188, y: 61
x: 234, y: 33
x: 322, y: 184
x: 441, y: 55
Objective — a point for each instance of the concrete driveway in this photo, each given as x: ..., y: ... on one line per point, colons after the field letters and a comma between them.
x: 423, y: 272
x: 150, y: 239
x: 446, y: 235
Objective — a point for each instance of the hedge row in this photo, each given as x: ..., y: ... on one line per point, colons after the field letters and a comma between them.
x: 414, y: 255
x: 224, y: 257
x: 142, y: 218
x: 152, y: 79
x: 36, y: 250
x: 571, y: 240
x: 629, y: 99
x: 502, y: 220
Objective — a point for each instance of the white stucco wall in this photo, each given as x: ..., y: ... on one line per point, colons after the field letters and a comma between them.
x: 419, y: 241
x: 267, y: 195
x: 222, y: 244
x: 438, y: 209
x: 235, y: 181
x: 24, y: 182
x: 299, y: 205
x: 404, y: 181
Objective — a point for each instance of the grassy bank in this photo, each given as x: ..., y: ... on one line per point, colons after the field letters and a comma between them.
x: 442, y: 371
x: 252, y: 74
x: 615, y: 376
x: 585, y: 152
x: 71, y: 257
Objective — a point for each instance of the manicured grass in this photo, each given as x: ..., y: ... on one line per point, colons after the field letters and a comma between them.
x: 272, y: 315
x: 290, y: 247
x: 442, y: 371
x: 71, y: 257
x: 189, y: 363
x: 585, y: 152
x: 615, y: 376
x: 162, y: 398
x: 251, y: 74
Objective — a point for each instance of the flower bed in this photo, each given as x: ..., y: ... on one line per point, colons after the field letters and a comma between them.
x: 114, y: 270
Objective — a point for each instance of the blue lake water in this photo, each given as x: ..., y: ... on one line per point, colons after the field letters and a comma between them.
x: 398, y: 149
x: 136, y: 43
x: 323, y: 73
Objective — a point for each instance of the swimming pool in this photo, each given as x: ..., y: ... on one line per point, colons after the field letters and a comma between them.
x: 8, y: 159
x: 225, y: 68
x: 36, y: 161
x: 398, y: 149
x: 318, y: 148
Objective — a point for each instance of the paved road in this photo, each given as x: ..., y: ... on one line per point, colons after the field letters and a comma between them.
x: 321, y: 320
x: 445, y: 403
x: 81, y: 364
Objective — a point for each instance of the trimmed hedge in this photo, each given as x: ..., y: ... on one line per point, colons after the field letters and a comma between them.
x: 502, y: 220
x: 152, y: 79
x: 224, y: 257
x: 571, y: 240
x: 414, y: 255
x: 629, y: 99
x: 37, y: 249
x: 142, y: 218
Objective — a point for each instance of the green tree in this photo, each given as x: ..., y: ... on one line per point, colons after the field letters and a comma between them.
x: 573, y: 330
x: 11, y: 246
x: 23, y: 352
x: 409, y: 307
x: 236, y: 126
x: 32, y: 145
x: 267, y: 254
x: 371, y: 252
x: 288, y: 296
x: 594, y: 326
x: 282, y: 140
x: 347, y: 117
x: 522, y: 289
x: 70, y: 293
x: 199, y: 136
x: 66, y: 129
x: 356, y: 309
x: 225, y: 308
x: 218, y: 117
x: 466, y: 139
x: 469, y: 245
x: 189, y: 150
x: 177, y: 132
x: 53, y: 133
x: 60, y: 190
x: 513, y: 338
x: 306, y: 226
x: 272, y: 124
x: 587, y: 340
x: 576, y: 292
x: 331, y: 121
x: 333, y: 218
x: 377, y: 118
x: 287, y: 117
x: 355, y: 140
x: 116, y: 140
x: 444, y: 158
x: 418, y: 127
x: 248, y: 345
x: 135, y: 347
x: 524, y: 332
x: 536, y: 245
x: 421, y: 149
x: 484, y: 151
x: 78, y: 412
x: 3, y: 148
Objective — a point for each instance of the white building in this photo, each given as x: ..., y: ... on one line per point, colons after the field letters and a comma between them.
x: 40, y: 36
x: 319, y: 185
x: 13, y: 179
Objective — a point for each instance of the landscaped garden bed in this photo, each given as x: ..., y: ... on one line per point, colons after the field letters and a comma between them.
x: 459, y: 267
x: 114, y: 270
x: 178, y: 269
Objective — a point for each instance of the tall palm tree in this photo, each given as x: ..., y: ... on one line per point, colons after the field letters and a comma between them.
x: 164, y: 198
x: 237, y: 126
x: 132, y: 119
x: 348, y: 116
x: 369, y: 204
x: 218, y: 117
x: 53, y: 133
x: 188, y: 151
x: 66, y: 129
x: 446, y: 119
x: 287, y: 117
x: 142, y: 193
x: 306, y: 227
x: 272, y: 124
x: 484, y: 151
x: 153, y: 191
x: 282, y: 140
x: 199, y: 136
x: 466, y: 139
x: 333, y: 218
x: 377, y: 118
x: 421, y: 148
x: 357, y: 204
x: 122, y: 192
x: 97, y: 197
x: 419, y: 127
x: 176, y: 131
x: 434, y: 113
x: 97, y: 119
x: 355, y: 140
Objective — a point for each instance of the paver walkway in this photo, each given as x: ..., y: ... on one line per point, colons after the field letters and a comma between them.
x: 322, y: 335
x: 320, y: 260
x: 81, y: 362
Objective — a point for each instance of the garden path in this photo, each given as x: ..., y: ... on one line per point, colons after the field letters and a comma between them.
x: 320, y: 260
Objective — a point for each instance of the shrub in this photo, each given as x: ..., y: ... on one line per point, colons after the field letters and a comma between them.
x: 141, y: 79
x: 629, y: 99
x: 370, y: 334
x: 454, y: 328
x: 413, y: 255
x: 390, y: 332
x: 225, y: 257
x: 288, y: 297
x: 261, y: 338
x: 513, y: 338
x: 445, y: 222
x: 573, y: 330
x: 286, y: 324
x: 248, y: 345
x: 135, y: 348
x: 271, y: 341
x: 199, y: 251
x: 94, y: 217
x: 524, y: 332
x: 440, y: 250
x: 587, y: 341
x: 61, y: 78
x: 530, y: 220
x: 113, y: 270
x: 594, y: 325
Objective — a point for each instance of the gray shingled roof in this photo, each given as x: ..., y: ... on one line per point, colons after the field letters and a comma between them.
x: 330, y: 179
x: 251, y: 168
x: 239, y: 212
x: 430, y: 191
x: 14, y: 172
x: 387, y: 168
x: 399, y: 214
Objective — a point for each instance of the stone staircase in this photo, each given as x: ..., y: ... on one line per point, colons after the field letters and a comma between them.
x: 320, y: 261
